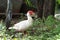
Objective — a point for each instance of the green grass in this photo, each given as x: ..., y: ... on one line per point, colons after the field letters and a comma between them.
x: 48, y: 30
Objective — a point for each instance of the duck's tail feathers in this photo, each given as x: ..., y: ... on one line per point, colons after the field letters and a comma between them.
x: 11, y: 27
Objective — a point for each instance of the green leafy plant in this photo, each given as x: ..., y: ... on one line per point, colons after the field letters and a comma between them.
x: 29, y: 3
x: 48, y: 30
x: 58, y: 1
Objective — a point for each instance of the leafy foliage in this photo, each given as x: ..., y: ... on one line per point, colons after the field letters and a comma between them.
x: 29, y: 3
x: 58, y: 1
x: 48, y: 30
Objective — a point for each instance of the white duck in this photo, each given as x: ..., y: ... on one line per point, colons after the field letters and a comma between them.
x: 57, y: 16
x: 23, y: 25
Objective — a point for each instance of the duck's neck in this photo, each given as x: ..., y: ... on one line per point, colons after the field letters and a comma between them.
x: 30, y: 18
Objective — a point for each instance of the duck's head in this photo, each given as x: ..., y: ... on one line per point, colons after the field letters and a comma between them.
x: 31, y: 13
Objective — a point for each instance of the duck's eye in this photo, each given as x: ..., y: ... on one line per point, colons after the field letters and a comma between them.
x: 32, y: 17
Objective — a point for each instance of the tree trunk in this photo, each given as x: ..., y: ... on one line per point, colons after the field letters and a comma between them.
x: 8, y: 14
x: 49, y: 8
x: 39, y: 4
